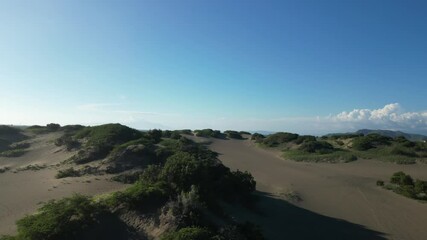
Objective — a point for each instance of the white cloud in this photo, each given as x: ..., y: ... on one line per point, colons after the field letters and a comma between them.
x: 391, y: 116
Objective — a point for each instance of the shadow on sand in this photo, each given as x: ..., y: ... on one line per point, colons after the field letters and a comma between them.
x: 282, y: 220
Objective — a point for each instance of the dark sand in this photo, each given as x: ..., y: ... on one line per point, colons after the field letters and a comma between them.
x: 339, y: 201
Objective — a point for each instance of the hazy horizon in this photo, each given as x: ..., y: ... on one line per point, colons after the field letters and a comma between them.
x: 310, y: 67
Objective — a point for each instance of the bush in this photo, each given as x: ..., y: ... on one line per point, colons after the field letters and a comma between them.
x: 52, y: 127
x: 400, y: 178
x: 257, y: 137
x: 69, y: 172
x: 380, y: 183
x: 279, y: 138
x: 321, y: 147
x: 142, y: 196
x: 13, y: 153
x: 209, y: 133
x: 182, y: 170
x: 189, y: 233
x: 59, y: 219
x: 420, y: 186
x: 404, y: 151
x: 233, y: 134
x: 306, y: 138
x: 8, y: 130
x: 369, y: 141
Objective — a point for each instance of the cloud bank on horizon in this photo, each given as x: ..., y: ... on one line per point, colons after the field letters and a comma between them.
x: 392, y: 117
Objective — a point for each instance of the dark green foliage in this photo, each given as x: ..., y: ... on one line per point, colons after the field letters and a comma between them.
x: 245, y: 231
x: 380, y: 183
x: 102, y: 139
x: 53, y: 127
x: 189, y: 233
x: 245, y: 133
x: 13, y: 153
x: 141, y: 195
x: 155, y: 134
x: 420, y: 186
x: 72, y: 128
x: 67, y: 141
x: 182, y: 170
x: 237, y: 186
x: 370, y: 141
x: 8, y: 130
x: 233, y: 134
x: 209, y: 133
x: 404, y: 151
x: 405, y: 185
x: 258, y: 138
x: 108, y: 134
x: 57, y: 220
x: 321, y: 147
x: 9, y: 135
x: 151, y: 174
x: 69, y: 172
x: 402, y: 179
x: 185, y: 131
x: 343, y: 136
x: 276, y: 139
x: 305, y: 138
x: 127, y: 178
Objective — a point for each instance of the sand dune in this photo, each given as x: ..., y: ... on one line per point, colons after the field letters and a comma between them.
x: 340, y: 191
x: 22, y: 191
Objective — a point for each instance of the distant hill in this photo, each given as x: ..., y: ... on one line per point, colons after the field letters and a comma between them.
x: 393, y: 134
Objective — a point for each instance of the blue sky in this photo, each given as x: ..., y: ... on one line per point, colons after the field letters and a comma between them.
x: 301, y: 66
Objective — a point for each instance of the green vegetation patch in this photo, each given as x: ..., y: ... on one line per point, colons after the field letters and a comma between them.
x: 338, y: 156
x: 13, y: 153
x: 403, y: 184
x: 61, y: 219
x: 233, y: 134
x: 209, y: 133
x: 187, y: 183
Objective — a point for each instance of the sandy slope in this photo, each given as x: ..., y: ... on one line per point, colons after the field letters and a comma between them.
x: 22, y: 191
x: 339, y: 191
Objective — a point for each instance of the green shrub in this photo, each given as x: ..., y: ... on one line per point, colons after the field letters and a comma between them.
x: 305, y: 138
x: 420, y: 186
x: 276, y: 139
x: 127, y: 178
x: 69, y: 172
x: 13, y: 153
x: 257, y: 137
x: 321, y: 147
x: 400, y: 178
x: 141, y: 195
x: 404, y: 151
x: 233, y: 134
x: 60, y: 219
x: 52, y: 127
x: 182, y: 170
x: 369, y: 141
x: 189, y: 233
x: 380, y: 183
x: 209, y: 133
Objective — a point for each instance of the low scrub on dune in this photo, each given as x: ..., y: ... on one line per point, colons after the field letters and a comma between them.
x: 209, y: 133
x: 183, y: 188
x: 345, y: 147
x: 61, y: 219
x: 403, y: 184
